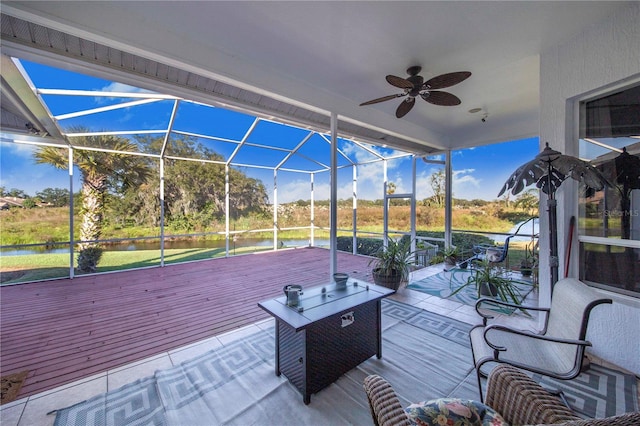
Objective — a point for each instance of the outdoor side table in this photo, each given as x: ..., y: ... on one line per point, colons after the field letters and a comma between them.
x: 332, y: 330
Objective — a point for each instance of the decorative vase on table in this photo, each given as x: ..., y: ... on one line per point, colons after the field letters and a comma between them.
x: 340, y: 279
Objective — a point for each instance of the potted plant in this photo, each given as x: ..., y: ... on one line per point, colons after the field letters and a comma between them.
x: 392, y: 263
x: 530, y: 259
x: 488, y: 281
x: 526, y: 265
x: 450, y: 256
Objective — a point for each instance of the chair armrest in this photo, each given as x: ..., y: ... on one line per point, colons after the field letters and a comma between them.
x: 384, y: 404
x: 520, y: 400
x: 498, y: 302
x: 529, y: 334
x: 627, y: 419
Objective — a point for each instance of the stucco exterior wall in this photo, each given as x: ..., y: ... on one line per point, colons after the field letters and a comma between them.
x: 602, y: 56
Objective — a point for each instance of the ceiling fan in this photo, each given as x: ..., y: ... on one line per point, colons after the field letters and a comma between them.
x: 415, y: 86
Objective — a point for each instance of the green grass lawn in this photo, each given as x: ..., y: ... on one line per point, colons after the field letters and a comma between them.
x: 34, y: 267
x: 35, y: 226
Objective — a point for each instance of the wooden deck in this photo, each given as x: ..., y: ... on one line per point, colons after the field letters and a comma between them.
x: 63, y: 330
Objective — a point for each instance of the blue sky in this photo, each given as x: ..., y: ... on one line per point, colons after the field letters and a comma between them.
x: 478, y: 172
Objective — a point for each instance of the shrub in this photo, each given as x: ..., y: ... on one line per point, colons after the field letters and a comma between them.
x: 88, y: 259
x: 365, y: 246
x: 28, y: 203
x: 464, y: 242
x: 370, y: 246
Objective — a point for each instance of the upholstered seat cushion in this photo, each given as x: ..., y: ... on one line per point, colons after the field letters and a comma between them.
x: 453, y: 411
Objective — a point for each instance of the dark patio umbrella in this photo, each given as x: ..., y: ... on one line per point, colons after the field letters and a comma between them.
x: 548, y: 170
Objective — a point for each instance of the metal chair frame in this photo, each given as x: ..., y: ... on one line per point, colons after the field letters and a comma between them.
x: 503, y: 344
x: 481, y: 253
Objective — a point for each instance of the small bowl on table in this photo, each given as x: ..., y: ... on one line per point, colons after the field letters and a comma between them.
x: 341, y: 279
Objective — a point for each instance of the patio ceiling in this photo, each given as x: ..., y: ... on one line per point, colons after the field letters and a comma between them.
x: 302, y: 61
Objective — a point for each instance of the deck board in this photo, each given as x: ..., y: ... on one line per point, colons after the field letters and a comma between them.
x: 64, y: 330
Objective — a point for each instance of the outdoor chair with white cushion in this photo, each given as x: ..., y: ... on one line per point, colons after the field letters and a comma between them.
x: 556, y: 351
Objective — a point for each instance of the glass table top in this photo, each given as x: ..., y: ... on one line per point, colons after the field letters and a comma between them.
x: 322, y: 295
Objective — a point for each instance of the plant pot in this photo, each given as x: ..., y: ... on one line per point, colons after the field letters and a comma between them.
x: 526, y: 272
x: 449, y: 263
x: 488, y: 289
x: 390, y: 281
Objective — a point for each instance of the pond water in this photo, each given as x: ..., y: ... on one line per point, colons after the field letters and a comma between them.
x: 529, y: 227
x: 182, y: 244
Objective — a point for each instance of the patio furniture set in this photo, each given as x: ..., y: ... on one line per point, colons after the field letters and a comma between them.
x: 336, y: 327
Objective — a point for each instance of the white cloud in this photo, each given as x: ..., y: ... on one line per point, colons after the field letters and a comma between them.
x: 121, y: 87
x: 440, y: 157
x: 465, y: 185
x: 369, y: 183
x: 18, y: 150
x: 370, y: 179
x: 462, y: 172
x: 118, y: 88
x: 423, y: 185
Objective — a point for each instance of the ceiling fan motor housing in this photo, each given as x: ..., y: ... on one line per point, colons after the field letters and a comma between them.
x: 417, y: 82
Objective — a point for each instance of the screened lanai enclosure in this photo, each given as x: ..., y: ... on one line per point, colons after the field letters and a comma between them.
x: 198, y: 154
x: 130, y: 177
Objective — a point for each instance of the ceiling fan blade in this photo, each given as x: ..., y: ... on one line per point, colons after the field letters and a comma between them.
x: 382, y: 99
x: 447, y: 80
x: 399, y: 82
x: 405, y: 106
x: 440, y: 98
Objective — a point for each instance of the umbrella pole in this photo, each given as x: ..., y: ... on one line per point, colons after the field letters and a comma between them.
x: 553, y: 242
x: 553, y: 230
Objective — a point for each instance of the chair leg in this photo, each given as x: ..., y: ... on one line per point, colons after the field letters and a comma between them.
x: 478, y: 367
x: 479, y: 376
x: 560, y: 394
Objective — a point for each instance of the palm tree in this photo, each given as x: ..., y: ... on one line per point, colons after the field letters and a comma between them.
x: 99, y: 172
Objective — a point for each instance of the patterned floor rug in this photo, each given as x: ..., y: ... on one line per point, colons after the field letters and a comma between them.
x: 588, y: 392
x: 425, y: 356
x: 445, y: 283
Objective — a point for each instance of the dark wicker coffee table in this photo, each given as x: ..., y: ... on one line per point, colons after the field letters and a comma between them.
x: 330, y: 332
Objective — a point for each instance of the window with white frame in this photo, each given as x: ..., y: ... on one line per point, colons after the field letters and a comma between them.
x: 609, y: 220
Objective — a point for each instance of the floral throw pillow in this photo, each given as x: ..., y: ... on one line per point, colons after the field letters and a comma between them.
x: 453, y: 412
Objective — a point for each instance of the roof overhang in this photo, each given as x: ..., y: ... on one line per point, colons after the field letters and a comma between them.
x: 303, y: 61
